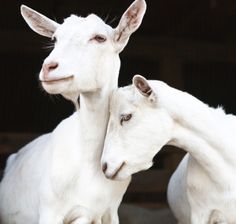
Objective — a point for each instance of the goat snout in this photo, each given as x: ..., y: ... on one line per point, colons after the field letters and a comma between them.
x: 48, y: 67
x: 111, y: 173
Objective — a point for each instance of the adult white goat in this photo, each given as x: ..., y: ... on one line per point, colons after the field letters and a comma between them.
x: 61, y: 171
x: 150, y: 114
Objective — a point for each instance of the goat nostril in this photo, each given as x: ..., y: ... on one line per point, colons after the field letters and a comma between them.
x: 49, y: 67
x: 52, y: 66
x: 104, y: 167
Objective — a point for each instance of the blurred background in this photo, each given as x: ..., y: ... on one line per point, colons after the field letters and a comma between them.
x: 189, y: 44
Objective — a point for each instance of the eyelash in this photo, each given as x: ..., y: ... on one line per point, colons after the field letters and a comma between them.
x: 125, y: 118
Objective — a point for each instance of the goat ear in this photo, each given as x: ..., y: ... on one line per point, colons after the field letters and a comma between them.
x: 38, y: 22
x: 144, y: 88
x: 129, y: 23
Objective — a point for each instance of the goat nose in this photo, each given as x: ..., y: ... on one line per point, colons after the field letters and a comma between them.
x: 104, y: 167
x: 48, y: 67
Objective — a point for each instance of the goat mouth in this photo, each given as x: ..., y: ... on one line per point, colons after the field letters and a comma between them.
x: 114, y: 175
x: 55, y: 81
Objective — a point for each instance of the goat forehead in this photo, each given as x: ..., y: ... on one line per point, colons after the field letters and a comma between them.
x: 127, y: 95
x: 123, y: 100
x: 89, y: 24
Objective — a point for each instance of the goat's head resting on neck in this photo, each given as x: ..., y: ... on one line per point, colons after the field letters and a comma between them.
x: 139, y: 126
x: 85, y: 57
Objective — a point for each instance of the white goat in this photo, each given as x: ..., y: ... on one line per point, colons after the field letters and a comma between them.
x: 60, y: 173
x: 143, y: 121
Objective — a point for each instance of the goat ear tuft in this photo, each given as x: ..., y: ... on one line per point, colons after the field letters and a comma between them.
x: 129, y: 23
x: 144, y: 88
x: 38, y: 22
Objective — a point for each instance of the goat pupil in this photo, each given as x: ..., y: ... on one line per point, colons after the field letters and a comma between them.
x: 127, y: 117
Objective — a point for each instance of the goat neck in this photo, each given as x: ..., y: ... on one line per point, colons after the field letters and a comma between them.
x: 196, y: 131
x: 94, y: 114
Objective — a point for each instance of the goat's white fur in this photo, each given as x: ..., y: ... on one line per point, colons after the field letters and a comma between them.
x: 206, y: 178
x: 58, y: 175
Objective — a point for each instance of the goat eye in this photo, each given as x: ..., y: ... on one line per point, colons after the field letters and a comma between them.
x: 99, y: 38
x: 125, y: 117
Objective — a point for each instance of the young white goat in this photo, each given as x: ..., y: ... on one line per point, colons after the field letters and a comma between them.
x: 150, y: 114
x: 59, y: 174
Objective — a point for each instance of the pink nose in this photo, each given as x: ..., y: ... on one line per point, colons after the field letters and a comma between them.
x: 48, y: 67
